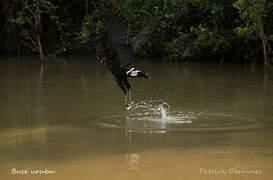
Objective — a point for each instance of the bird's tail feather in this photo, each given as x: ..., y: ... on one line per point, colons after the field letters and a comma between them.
x: 137, y: 73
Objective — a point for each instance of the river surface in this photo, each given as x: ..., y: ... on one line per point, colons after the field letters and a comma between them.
x: 189, y: 121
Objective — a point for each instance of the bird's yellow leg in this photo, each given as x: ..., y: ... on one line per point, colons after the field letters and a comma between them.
x: 130, y: 96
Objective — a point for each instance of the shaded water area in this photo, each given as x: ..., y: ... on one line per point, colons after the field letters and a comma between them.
x: 189, y: 121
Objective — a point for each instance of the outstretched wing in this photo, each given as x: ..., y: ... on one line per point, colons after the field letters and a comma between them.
x: 143, y: 35
x: 114, y: 40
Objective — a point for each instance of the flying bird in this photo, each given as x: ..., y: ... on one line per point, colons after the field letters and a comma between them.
x: 116, y: 51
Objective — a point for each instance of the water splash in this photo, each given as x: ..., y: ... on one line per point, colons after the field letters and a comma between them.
x: 163, y: 113
x: 164, y: 108
x: 156, y: 111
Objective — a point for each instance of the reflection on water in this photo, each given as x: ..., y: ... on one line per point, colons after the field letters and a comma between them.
x: 70, y: 117
x: 132, y: 160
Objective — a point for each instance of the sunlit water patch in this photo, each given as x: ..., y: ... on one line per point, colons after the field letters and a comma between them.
x: 159, y: 117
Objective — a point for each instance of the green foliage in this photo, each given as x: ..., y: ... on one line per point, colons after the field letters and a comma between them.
x: 189, y: 29
x: 30, y: 16
x: 253, y: 14
x: 84, y: 35
x: 250, y: 12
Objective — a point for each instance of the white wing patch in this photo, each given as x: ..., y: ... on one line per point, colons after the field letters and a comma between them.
x: 129, y: 71
x: 132, y: 72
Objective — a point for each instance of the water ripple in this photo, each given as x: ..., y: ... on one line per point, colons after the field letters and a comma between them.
x: 159, y: 117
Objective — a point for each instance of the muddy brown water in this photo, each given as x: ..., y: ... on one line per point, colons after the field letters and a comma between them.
x: 189, y: 121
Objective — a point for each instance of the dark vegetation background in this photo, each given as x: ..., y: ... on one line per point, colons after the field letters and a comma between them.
x: 210, y: 30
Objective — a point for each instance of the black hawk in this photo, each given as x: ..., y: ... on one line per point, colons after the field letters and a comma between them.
x: 116, y: 52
